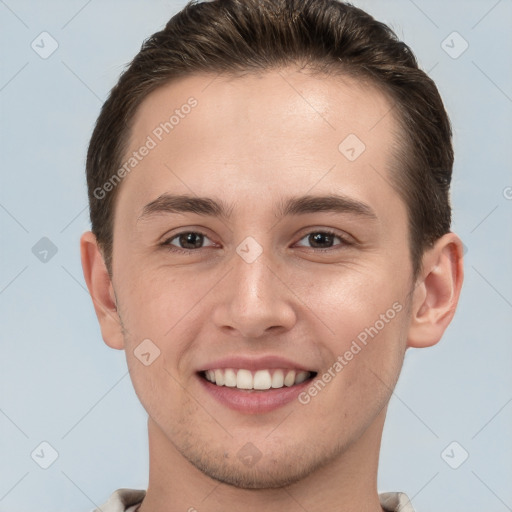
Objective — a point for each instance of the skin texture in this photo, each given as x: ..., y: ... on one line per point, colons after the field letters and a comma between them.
x: 251, y: 142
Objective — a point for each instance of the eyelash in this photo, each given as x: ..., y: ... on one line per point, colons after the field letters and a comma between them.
x: 172, y: 248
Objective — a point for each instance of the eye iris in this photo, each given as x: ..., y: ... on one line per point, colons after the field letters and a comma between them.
x: 196, y: 239
x: 187, y: 238
x: 317, y: 237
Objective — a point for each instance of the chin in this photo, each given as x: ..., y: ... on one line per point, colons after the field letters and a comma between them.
x: 238, y: 470
x: 251, y: 478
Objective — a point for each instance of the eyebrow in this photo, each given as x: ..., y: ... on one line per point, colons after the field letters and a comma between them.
x: 206, y: 206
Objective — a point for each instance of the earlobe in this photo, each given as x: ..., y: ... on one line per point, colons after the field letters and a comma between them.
x: 437, y: 292
x: 101, y: 290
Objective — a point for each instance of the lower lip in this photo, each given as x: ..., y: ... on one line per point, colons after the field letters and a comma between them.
x: 257, y: 401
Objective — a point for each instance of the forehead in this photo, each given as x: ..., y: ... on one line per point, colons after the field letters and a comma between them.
x: 275, y: 99
x: 282, y: 129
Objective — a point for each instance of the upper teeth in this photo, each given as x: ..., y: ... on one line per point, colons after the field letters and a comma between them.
x: 261, y: 379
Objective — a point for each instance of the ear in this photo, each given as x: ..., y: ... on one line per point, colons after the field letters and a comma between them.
x: 437, y: 291
x: 101, y: 290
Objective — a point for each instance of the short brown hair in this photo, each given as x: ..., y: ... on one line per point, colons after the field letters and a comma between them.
x: 328, y: 36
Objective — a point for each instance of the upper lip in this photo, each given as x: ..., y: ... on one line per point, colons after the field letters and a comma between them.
x: 254, y: 363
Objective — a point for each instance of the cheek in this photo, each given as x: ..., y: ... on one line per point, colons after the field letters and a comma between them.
x: 154, y: 303
x: 366, y: 360
x: 365, y: 341
x: 161, y: 318
x: 352, y: 300
x: 158, y: 388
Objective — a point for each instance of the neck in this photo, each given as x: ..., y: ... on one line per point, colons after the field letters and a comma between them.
x: 348, y: 483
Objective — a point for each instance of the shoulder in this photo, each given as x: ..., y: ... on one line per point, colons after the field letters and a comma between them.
x: 394, y: 501
x: 121, y: 499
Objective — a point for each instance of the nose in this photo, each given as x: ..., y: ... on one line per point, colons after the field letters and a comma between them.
x: 255, y: 300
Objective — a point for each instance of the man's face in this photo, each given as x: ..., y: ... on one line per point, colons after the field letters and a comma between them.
x: 255, y: 284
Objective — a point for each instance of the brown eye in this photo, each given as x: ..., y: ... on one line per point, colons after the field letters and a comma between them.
x: 323, y: 240
x: 187, y: 241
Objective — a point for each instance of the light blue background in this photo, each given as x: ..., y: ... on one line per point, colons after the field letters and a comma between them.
x: 61, y: 384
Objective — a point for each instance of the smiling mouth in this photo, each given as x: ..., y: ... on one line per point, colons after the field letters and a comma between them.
x: 259, y: 380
